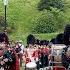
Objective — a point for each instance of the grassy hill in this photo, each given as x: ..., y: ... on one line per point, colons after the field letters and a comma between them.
x: 21, y: 14
x: 23, y: 37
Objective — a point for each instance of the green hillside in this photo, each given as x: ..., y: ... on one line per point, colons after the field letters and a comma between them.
x: 22, y: 13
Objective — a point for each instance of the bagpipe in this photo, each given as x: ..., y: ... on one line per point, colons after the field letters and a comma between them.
x: 7, y: 60
x: 8, y: 57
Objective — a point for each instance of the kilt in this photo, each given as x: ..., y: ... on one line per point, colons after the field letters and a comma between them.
x: 15, y: 65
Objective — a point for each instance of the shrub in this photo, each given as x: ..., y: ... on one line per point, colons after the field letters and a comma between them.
x: 45, y: 24
x: 2, y: 23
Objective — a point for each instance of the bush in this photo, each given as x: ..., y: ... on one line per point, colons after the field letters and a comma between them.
x: 2, y: 23
x: 45, y: 24
x: 11, y: 27
x: 49, y: 21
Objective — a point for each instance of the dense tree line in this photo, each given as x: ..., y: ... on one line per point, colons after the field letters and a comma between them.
x: 47, y: 4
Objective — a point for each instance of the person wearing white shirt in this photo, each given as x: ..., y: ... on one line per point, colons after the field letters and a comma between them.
x: 21, y: 51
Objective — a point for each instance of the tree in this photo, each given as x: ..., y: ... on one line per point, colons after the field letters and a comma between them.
x: 2, y: 23
x: 45, y: 23
x: 48, y: 22
x: 47, y: 4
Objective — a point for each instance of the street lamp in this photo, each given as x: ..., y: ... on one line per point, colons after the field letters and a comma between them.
x: 5, y: 4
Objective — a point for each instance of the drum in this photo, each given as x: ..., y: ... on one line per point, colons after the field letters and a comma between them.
x: 31, y: 66
x: 57, y: 60
x: 68, y: 52
x: 56, y: 53
x: 58, y: 68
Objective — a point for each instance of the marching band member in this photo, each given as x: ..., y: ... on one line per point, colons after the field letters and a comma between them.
x: 19, y: 50
x: 10, y: 59
x: 66, y: 57
x: 29, y: 58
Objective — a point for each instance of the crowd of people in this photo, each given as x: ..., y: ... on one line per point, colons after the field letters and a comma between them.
x: 45, y: 54
x: 37, y: 54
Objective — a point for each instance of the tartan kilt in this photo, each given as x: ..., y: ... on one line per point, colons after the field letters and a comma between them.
x: 15, y: 65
